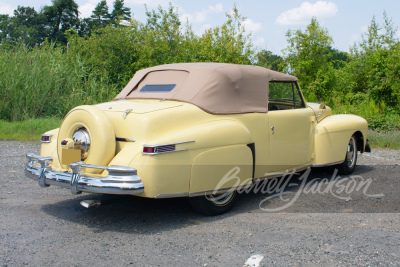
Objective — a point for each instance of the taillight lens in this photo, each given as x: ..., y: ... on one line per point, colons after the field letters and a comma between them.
x: 147, y: 149
x: 46, y: 138
x: 64, y: 142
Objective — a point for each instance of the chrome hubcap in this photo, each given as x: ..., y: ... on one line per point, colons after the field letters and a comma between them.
x: 81, y: 139
x: 351, y: 153
x: 221, y: 199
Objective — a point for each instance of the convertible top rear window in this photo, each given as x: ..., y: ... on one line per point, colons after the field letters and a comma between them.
x: 156, y: 88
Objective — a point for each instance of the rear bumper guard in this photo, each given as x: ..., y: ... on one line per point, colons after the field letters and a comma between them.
x: 119, y: 181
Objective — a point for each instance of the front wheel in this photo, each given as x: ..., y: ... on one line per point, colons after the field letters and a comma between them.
x: 214, y: 204
x: 349, y: 164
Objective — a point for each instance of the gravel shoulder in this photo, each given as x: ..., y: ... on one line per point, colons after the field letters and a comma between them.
x: 380, y: 156
x: 48, y: 227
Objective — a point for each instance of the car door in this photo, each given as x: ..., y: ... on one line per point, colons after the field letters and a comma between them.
x: 290, y: 127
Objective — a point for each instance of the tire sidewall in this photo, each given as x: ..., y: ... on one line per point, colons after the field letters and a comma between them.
x: 344, y: 168
x: 100, y: 129
x: 203, y: 205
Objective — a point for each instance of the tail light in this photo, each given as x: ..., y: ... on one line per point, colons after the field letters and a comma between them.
x: 46, y: 138
x: 148, y: 150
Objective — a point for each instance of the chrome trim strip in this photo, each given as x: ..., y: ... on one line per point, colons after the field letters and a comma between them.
x: 124, y: 139
x: 49, y: 135
x: 126, y: 113
x: 155, y: 153
x: 219, y: 191
x: 120, y: 180
x: 256, y: 180
x: 172, y: 195
x: 184, y: 142
x: 327, y: 164
x: 169, y: 144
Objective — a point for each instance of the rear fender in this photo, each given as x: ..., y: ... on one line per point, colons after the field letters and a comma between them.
x: 221, y: 168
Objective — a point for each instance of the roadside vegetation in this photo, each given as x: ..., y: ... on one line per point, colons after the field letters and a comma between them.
x: 27, y: 130
x: 51, y: 61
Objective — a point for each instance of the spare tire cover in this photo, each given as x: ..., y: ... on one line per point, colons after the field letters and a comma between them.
x: 101, y: 134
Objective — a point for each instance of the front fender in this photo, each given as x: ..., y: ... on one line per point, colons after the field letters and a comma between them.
x: 332, y: 136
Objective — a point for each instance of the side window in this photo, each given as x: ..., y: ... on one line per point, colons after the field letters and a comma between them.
x: 280, y: 91
x: 284, y: 95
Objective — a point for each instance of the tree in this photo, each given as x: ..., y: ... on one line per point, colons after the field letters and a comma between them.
x: 269, y: 60
x: 228, y: 43
x: 25, y: 26
x: 307, y: 57
x: 338, y: 58
x: 61, y: 16
x: 374, y: 64
x: 100, y: 15
x: 120, y: 12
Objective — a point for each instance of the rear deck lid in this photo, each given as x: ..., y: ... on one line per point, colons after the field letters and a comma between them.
x: 138, y: 106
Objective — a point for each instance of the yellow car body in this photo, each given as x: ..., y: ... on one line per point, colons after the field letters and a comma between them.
x: 181, y: 149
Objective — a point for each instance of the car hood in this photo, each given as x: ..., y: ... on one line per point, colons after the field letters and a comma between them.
x: 138, y: 106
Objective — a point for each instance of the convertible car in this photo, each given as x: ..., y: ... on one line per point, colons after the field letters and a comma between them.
x: 196, y: 130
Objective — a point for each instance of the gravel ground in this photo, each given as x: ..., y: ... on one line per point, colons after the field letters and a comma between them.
x: 48, y: 227
x: 380, y: 156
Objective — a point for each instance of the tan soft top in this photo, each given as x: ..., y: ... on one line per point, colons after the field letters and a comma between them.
x: 217, y: 88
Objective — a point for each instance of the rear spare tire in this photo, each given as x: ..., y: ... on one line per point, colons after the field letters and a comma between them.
x: 90, y: 124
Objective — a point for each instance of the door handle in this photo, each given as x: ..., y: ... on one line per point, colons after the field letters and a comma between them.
x: 273, y: 129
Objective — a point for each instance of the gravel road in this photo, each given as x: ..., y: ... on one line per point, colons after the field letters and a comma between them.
x: 315, y: 222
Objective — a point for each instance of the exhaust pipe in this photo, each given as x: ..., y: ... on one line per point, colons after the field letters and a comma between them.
x: 90, y: 203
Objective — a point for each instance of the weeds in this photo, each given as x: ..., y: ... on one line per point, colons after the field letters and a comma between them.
x: 46, y: 82
x: 384, y: 139
x: 31, y: 129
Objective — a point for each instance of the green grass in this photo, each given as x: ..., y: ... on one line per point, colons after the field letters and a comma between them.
x: 27, y: 130
x: 384, y: 139
x: 45, y: 82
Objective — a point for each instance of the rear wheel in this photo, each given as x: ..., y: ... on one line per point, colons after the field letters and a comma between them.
x: 349, y: 164
x: 214, y: 204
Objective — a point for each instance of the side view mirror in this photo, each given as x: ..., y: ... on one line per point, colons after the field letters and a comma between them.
x: 322, y: 109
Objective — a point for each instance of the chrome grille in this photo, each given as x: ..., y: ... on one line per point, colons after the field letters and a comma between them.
x: 165, y: 148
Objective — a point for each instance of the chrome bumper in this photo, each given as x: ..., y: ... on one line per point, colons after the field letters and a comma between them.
x: 120, y: 180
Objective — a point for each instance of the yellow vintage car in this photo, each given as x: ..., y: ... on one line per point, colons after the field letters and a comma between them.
x: 196, y: 130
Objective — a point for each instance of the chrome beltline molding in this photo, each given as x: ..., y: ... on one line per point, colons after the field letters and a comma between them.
x: 120, y: 180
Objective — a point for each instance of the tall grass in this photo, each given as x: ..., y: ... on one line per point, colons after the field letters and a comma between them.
x: 46, y: 82
x: 31, y: 129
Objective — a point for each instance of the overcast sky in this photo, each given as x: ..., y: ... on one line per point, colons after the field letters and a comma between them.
x: 268, y: 20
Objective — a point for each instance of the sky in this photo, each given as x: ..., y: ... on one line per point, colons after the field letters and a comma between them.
x: 267, y: 21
